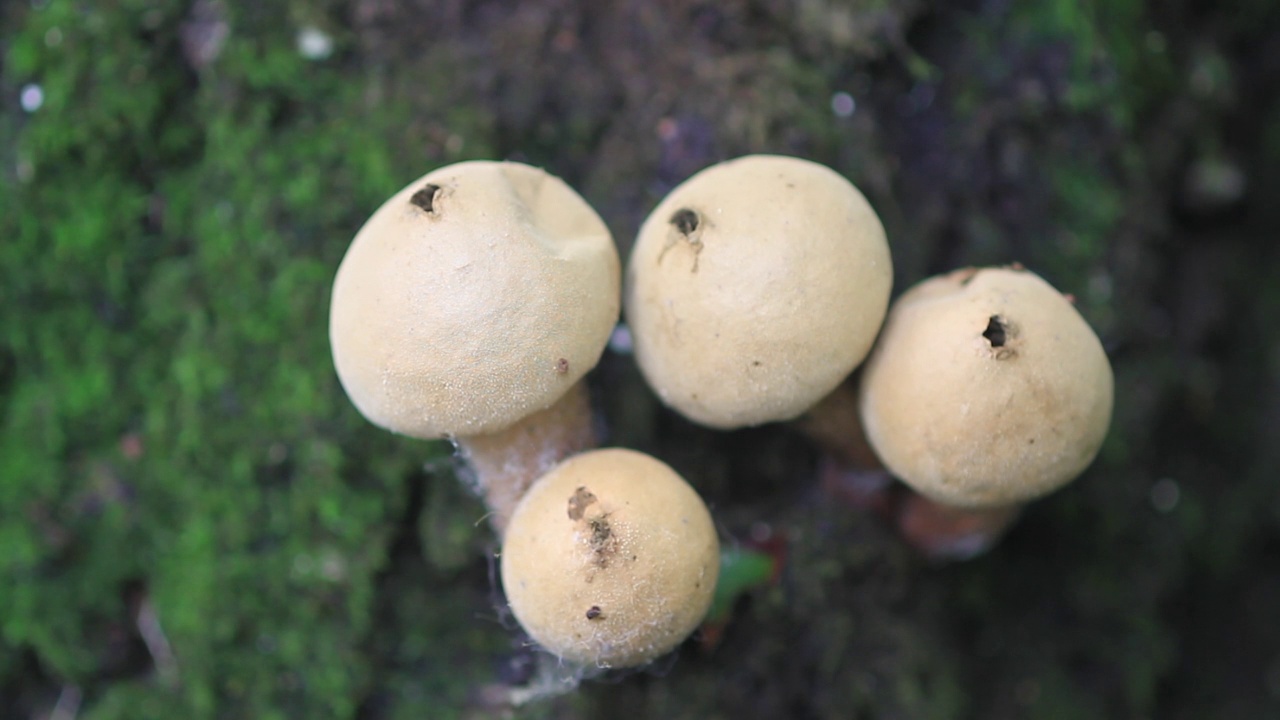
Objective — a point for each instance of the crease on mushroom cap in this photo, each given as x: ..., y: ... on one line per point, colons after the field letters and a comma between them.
x: 986, y: 388
x: 754, y: 288
x: 477, y: 295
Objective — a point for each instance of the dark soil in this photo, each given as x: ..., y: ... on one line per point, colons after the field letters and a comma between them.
x: 1106, y: 159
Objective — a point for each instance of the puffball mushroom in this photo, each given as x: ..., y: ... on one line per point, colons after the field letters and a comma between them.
x: 469, y: 306
x: 610, y: 560
x: 986, y: 389
x: 754, y: 288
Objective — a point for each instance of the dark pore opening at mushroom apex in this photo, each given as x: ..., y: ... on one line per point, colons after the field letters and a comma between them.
x: 425, y: 198
x: 996, y: 332
x: 578, y: 502
x: 685, y: 220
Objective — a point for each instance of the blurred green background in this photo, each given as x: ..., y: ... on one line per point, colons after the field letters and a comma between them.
x: 194, y: 522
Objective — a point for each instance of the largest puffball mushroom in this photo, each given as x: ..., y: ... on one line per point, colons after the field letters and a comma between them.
x: 754, y: 288
x: 610, y: 560
x: 986, y: 389
x: 469, y: 306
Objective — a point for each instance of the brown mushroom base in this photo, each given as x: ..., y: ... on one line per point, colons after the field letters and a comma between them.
x: 833, y: 425
x: 505, y: 464
x: 937, y: 531
x: 943, y: 532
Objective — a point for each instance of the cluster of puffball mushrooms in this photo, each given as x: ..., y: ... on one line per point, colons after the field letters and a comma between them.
x: 472, y: 303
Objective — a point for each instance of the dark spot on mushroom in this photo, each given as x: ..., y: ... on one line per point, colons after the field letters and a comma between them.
x: 996, y: 332
x: 593, y: 612
x: 426, y: 197
x: 600, y: 533
x: 755, y: 363
x: 686, y: 229
x: 685, y: 220
x: 578, y: 502
x: 593, y: 523
x: 562, y: 366
x: 967, y: 275
x: 1000, y: 333
x: 601, y: 540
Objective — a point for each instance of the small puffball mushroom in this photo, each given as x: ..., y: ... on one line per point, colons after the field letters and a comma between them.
x: 610, y: 560
x: 754, y: 288
x: 986, y: 388
x: 475, y: 296
x: 474, y: 299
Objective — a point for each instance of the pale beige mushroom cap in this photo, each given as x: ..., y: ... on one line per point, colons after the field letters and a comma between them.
x: 986, y: 388
x: 610, y: 560
x: 754, y: 288
x: 475, y: 296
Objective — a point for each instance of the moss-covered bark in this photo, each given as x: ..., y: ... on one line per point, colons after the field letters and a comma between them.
x: 195, y: 523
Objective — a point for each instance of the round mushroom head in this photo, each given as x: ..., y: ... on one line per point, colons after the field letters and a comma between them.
x: 475, y: 296
x: 610, y: 560
x: 986, y: 388
x: 754, y: 288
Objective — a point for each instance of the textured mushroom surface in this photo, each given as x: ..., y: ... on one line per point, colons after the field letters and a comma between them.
x: 985, y: 388
x: 610, y: 560
x: 475, y: 296
x: 754, y: 288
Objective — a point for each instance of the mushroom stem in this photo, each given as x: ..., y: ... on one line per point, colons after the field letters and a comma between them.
x: 944, y: 532
x: 507, y: 462
x: 833, y: 425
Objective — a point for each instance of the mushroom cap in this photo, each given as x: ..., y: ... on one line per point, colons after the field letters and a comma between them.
x: 986, y: 388
x: 610, y: 560
x: 475, y: 296
x: 754, y: 288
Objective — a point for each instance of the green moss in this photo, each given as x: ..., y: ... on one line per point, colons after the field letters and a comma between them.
x: 173, y: 431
